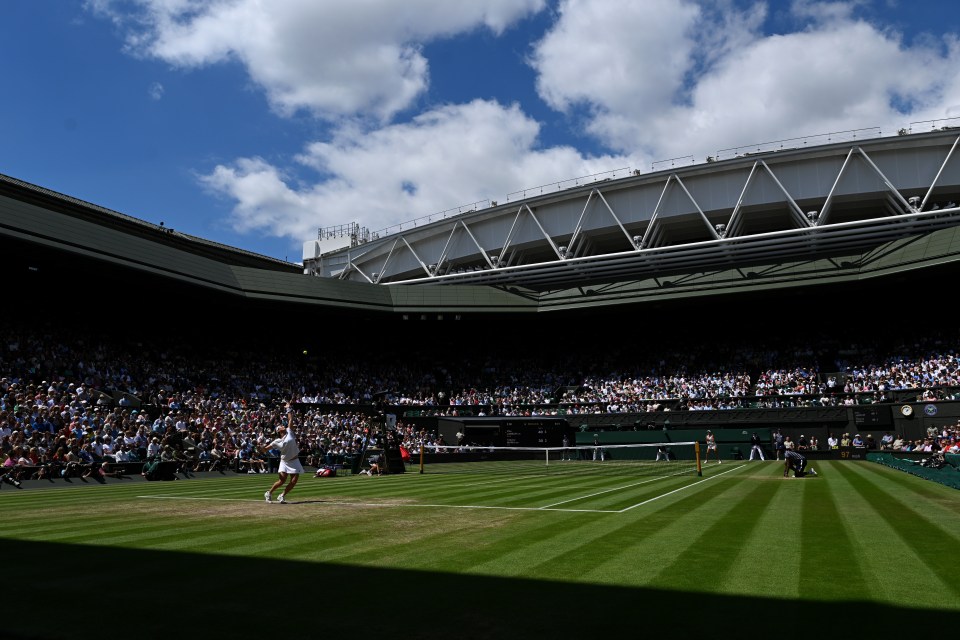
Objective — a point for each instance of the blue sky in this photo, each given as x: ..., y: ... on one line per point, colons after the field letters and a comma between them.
x: 253, y: 123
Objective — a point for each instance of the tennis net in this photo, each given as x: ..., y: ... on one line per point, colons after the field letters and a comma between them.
x: 615, y: 459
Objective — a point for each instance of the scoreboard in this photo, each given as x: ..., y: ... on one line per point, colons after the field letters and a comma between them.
x: 507, y: 432
x: 533, y: 433
x: 872, y: 416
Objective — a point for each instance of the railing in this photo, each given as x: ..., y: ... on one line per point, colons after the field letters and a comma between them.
x: 553, y: 187
x: 933, y: 125
x: 433, y: 217
x: 673, y: 162
x: 802, y: 142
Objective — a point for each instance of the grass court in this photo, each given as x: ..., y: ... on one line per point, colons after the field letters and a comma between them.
x: 740, y: 551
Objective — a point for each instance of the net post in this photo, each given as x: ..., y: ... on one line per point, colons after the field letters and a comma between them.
x: 421, y: 455
x: 696, y: 449
x: 547, y: 452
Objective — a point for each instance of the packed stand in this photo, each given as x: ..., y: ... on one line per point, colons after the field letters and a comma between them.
x: 73, y: 404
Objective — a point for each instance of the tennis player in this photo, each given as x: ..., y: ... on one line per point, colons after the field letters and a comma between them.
x: 290, y: 467
x: 712, y: 446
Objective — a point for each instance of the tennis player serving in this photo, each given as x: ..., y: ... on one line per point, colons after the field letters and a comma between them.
x: 290, y: 467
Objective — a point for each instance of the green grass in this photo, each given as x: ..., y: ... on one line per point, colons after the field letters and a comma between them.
x: 860, y: 549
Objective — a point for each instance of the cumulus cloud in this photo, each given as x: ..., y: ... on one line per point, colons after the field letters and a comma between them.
x: 646, y: 80
x: 616, y: 56
x: 328, y: 58
x: 692, y: 78
x: 449, y: 156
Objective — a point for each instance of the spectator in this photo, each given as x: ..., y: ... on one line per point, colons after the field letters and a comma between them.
x: 886, y: 442
x: 204, y: 461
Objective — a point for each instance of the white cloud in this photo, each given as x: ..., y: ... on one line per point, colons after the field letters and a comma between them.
x: 155, y: 91
x: 447, y: 157
x: 835, y: 73
x: 655, y: 79
x: 330, y: 58
x: 614, y: 55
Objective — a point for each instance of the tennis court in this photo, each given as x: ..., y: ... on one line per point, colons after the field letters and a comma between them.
x: 741, y: 542
x: 579, y: 487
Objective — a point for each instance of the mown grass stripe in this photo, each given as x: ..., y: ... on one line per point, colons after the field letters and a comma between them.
x: 894, y: 575
x: 766, y: 563
x: 929, y: 542
x: 73, y: 523
x: 444, y: 531
x: 639, y: 563
x: 830, y: 564
x: 498, y: 542
x: 671, y: 518
x: 526, y: 494
x: 893, y: 487
x: 705, y: 563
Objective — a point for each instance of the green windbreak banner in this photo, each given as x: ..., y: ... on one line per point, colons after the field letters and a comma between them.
x: 947, y: 475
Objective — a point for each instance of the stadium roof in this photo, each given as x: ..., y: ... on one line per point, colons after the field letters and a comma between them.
x: 886, y: 231
x: 765, y: 207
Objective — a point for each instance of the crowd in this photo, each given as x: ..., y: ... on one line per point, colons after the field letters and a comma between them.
x: 71, y: 402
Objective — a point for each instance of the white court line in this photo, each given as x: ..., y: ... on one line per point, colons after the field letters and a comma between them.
x: 598, y: 493
x: 664, y: 495
x: 383, y: 504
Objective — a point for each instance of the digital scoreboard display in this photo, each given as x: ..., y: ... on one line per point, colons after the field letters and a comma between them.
x: 505, y: 432
x: 872, y: 416
x: 533, y: 433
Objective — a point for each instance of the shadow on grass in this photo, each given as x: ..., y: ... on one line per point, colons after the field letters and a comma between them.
x: 72, y: 591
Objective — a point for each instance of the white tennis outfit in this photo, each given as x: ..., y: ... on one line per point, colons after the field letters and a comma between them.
x: 289, y: 453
